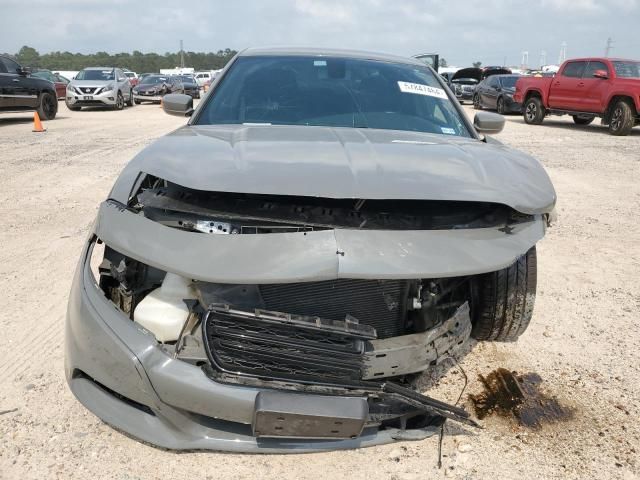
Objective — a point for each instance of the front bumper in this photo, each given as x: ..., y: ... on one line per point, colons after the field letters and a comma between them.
x: 464, y: 95
x: 512, y: 106
x: 90, y: 100
x: 147, y: 98
x: 120, y: 373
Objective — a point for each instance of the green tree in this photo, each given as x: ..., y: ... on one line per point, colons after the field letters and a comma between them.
x: 28, y: 56
x: 443, y: 62
x: 477, y: 64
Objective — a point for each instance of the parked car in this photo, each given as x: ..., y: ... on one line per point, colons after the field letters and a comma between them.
x: 203, y: 77
x: 153, y: 87
x: 327, y: 223
x: 463, y: 82
x: 132, y: 76
x: 20, y: 92
x: 496, y: 93
x: 59, y: 81
x: 99, y: 86
x: 190, y: 86
x: 585, y: 88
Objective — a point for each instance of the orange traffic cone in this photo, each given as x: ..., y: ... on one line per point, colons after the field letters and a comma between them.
x: 37, y: 125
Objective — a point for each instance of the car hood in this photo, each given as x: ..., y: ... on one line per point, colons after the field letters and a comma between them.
x: 91, y: 83
x: 342, y: 163
x: 471, y: 72
x: 144, y: 88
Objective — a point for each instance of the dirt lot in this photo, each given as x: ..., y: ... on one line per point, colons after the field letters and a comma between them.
x: 583, y: 342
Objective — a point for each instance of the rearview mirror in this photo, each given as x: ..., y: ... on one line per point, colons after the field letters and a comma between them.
x: 488, y: 122
x: 601, y: 74
x: 177, y: 104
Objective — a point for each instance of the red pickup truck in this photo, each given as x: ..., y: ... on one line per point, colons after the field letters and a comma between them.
x: 585, y: 88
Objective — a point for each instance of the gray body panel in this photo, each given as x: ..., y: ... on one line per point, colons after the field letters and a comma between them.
x: 343, y: 163
x: 313, y: 256
x: 114, y: 352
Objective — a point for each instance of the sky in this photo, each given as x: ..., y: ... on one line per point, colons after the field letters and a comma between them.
x: 463, y: 32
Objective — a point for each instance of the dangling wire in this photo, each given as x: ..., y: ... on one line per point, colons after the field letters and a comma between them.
x: 464, y: 387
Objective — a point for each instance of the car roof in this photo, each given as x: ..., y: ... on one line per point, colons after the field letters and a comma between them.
x: 327, y: 52
x: 99, y: 68
x: 601, y: 59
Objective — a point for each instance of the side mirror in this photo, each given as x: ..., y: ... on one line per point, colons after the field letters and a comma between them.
x: 24, y: 71
x: 601, y: 74
x: 177, y: 104
x: 488, y: 122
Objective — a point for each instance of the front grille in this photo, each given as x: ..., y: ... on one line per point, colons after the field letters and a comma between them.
x: 87, y: 89
x: 283, y: 346
x: 378, y: 303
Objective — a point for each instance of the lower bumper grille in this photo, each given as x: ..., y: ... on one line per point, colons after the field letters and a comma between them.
x: 278, y: 345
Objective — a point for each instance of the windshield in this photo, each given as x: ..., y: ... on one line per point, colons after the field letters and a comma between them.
x: 187, y: 78
x: 334, y: 92
x: 153, y: 80
x: 130, y: 74
x: 508, y: 82
x: 627, y: 69
x: 95, y: 75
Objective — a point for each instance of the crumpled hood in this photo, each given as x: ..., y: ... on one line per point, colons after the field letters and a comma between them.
x: 343, y: 163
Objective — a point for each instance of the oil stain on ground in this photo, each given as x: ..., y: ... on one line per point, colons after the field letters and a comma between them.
x: 510, y: 394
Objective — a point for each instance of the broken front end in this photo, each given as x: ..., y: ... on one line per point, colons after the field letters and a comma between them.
x: 232, y: 321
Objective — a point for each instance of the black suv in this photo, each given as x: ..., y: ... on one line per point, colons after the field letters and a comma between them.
x: 20, y: 92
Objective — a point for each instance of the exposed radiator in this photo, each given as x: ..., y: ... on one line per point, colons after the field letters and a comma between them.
x: 378, y: 303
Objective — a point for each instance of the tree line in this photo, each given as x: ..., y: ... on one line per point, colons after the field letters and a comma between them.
x: 135, y: 61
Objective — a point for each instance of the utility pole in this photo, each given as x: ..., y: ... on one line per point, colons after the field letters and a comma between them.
x: 609, y: 46
x: 543, y: 58
x: 504, y: 61
x: 525, y: 60
x: 563, y: 53
x: 181, y: 55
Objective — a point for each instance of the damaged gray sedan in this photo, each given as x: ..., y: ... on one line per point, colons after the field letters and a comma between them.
x: 272, y: 276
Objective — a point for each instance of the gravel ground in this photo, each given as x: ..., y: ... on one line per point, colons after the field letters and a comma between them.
x: 583, y: 341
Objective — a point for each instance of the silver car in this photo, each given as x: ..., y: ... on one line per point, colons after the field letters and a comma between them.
x: 99, y: 86
x: 272, y: 276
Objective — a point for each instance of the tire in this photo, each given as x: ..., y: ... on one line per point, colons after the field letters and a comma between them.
x: 137, y: 102
x: 119, y: 102
x: 500, y: 106
x: 578, y: 120
x: 73, y: 109
x: 533, y: 111
x: 622, y: 119
x: 130, y: 102
x: 48, y: 106
x: 476, y: 102
x: 504, y: 302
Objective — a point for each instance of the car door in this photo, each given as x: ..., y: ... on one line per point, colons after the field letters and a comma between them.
x: 565, y: 93
x: 6, y: 88
x: 20, y: 92
x: 595, y: 89
x: 491, y: 92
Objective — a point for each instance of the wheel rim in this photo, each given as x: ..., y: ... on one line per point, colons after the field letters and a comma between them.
x: 531, y: 112
x: 48, y: 106
x: 476, y: 101
x: 616, y: 119
x: 120, y: 101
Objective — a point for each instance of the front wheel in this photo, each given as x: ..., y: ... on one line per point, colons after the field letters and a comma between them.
x: 622, y: 119
x: 533, y: 111
x: 582, y: 120
x: 476, y: 102
x: 503, y: 304
x: 119, y: 102
x: 500, y: 106
x: 48, y: 106
x: 130, y: 102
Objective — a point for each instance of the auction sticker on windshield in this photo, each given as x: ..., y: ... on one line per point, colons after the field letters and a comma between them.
x: 419, y: 89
